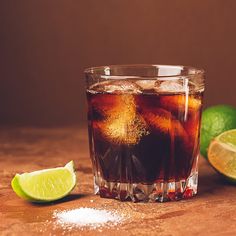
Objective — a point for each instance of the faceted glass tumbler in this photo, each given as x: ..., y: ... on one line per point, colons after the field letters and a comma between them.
x: 144, y: 124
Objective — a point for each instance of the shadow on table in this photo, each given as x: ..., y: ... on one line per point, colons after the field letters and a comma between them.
x: 68, y: 198
x: 212, y: 183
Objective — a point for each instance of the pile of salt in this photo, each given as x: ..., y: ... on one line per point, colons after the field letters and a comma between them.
x: 87, y: 217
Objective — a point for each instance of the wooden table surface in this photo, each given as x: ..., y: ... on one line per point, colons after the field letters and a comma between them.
x: 211, y: 212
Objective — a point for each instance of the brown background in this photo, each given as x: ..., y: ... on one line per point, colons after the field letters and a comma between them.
x: 45, y: 45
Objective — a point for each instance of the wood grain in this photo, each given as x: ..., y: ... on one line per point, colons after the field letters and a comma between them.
x: 211, y: 212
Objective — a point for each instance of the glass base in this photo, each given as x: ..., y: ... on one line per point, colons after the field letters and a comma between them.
x: 156, y: 192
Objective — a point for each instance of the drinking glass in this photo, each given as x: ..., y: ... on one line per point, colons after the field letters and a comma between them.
x: 144, y: 123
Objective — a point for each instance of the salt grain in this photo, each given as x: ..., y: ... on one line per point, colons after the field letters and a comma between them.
x: 87, y: 217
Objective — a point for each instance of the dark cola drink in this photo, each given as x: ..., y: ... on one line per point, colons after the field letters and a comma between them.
x: 144, y: 138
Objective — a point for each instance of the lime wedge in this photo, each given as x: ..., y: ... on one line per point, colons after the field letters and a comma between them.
x: 45, y: 185
x: 16, y: 187
x: 222, y: 154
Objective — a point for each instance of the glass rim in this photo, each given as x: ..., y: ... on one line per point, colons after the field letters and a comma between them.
x: 104, y: 71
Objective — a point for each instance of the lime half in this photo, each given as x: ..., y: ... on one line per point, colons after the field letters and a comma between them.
x: 45, y: 185
x: 222, y: 154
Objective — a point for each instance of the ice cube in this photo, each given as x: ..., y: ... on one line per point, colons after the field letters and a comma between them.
x: 146, y: 84
x: 170, y: 86
x: 180, y: 103
x: 105, y: 104
x: 192, y: 126
x: 123, y: 125
x: 122, y: 131
x: 116, y: 86
x: 163, y: 121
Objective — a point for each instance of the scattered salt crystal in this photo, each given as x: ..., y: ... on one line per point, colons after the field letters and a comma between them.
x: 87, y: 217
